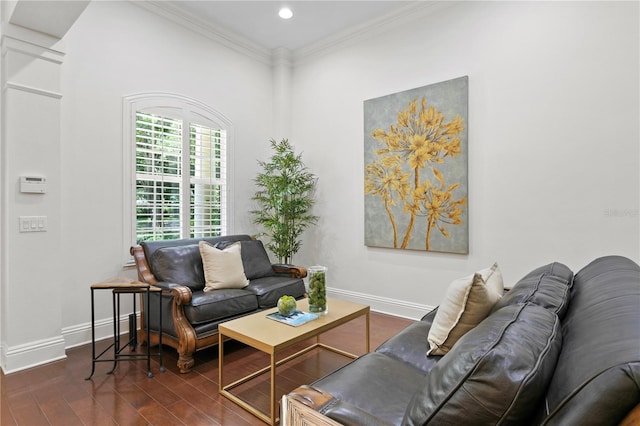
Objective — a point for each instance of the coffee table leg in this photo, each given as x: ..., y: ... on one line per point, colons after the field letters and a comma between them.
x: 220, y: 361
x: 273, y: 389
x: 367, y: 333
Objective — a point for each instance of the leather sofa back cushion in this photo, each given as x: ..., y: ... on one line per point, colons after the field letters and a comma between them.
x: 254, y: 258
x: 598, y: 372
x: 497, y: 372
x: 548, y: 286
x: 180, y: 265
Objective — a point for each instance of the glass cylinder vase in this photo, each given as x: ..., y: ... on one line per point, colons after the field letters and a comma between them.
x: 318, y: 289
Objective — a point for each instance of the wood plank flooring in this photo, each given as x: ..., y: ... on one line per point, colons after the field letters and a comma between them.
x: 58, y: 394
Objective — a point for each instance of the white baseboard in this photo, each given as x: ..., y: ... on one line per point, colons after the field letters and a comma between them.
x: 32, y: 354
x: 45, y: 351
x: 399, y: 308
x: 42, y: 352
x: 80, y: 334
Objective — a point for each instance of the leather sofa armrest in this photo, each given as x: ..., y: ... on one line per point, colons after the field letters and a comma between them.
x: 349, y: 415
x: 334, y: 410
x: 292, y: 270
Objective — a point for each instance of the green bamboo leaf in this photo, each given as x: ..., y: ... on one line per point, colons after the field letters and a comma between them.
x: 285, y: 198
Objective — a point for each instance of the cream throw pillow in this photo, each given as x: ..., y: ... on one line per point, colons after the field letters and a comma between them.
x: 467, y: 302
x: 222, y: 268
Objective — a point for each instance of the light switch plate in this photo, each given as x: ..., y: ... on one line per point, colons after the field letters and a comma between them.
x: 33, y: 224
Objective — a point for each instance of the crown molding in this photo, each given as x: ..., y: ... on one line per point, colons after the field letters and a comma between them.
x: 171, y: 11
x: 281, y: 57
x: 371, y: 28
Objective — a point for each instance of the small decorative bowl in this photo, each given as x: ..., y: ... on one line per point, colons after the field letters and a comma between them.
x: 287, y: 305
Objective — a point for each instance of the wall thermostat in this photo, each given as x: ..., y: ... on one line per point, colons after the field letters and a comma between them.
x: 33, y: 184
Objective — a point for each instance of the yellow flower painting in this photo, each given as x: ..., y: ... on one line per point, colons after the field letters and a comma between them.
x: 415, y: 176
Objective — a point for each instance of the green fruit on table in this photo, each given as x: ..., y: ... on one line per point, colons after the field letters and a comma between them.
x: 317, y: 292
x: 286, y: 305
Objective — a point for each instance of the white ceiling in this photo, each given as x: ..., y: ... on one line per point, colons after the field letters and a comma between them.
x: 313, y: 20
x: 52, y: 18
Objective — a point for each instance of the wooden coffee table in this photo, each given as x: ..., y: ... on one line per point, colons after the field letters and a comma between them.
x: 271, y: 337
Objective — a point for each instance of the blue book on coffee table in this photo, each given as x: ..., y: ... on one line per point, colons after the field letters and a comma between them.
x: 295, y: 319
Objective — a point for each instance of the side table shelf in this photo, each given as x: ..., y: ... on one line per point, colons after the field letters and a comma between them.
x: 120, y: 286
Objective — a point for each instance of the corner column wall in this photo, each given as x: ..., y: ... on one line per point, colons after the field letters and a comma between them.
x: 282, y: 93
x: 31, y: 276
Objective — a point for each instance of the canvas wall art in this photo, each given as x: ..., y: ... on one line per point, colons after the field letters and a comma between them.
x: 415, y: 168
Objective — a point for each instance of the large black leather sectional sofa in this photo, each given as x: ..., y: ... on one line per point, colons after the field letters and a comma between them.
x: 556, y: 349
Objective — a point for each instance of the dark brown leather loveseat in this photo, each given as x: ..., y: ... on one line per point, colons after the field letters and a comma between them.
x: 557, y: 349
x: 190, y: 316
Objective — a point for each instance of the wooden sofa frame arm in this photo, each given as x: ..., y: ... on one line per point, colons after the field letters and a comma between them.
x: 144, y: 271
x: 187, y: 341
x: 299, y: 408
x: 632, y: 418
x: 311, y: 397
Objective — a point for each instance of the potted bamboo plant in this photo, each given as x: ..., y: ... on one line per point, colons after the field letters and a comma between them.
x: 284, y: 198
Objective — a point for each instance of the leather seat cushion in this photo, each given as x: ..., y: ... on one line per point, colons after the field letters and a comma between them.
x: 492, y: 374
x: 179, y: 265
x: 410, y: 346
x: 218, y: 304
x: 548, y: 286
x: 269, y: 289
x: 374, y: 383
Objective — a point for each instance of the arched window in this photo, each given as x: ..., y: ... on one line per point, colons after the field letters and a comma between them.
x: 176, y: 158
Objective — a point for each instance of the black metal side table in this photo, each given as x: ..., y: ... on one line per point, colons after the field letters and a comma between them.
x: 120, y: 286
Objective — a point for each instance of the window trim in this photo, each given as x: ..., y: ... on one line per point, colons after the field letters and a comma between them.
x: 189, y: 107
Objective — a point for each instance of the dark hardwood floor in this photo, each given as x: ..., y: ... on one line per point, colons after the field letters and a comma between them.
x: 58, y: 394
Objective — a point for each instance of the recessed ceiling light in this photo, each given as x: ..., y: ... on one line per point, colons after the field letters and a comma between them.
x: 285, y: 13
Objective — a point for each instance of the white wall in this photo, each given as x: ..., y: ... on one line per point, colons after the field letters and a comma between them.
x: 553, y: 147
x: 117, y: 49
x: 553, y: 140
x: 30, y: 147
x: 114, y: 49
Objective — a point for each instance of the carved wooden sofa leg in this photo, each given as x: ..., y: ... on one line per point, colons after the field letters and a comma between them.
x: 186, y: 333
x: 185, y: 362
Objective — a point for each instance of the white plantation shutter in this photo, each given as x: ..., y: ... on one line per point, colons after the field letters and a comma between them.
x: 207, y: 180
x: 179, y: 170
x: 158, y: 177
